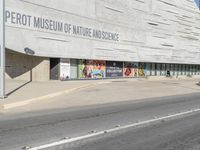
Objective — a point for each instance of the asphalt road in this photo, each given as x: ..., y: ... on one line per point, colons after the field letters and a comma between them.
x: 35, y: 129
x: 178, y: 134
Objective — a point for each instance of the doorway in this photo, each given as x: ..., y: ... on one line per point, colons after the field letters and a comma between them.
x: 54, y: 68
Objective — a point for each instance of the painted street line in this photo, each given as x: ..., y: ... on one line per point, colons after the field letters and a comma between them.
x: 67, y: 141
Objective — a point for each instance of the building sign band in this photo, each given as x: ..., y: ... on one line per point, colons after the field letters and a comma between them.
x: 46, y: 24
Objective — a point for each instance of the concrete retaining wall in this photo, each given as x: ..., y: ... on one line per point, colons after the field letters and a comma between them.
x: 24, y: 67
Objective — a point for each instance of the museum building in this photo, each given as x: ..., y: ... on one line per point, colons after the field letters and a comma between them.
x: 78, y: 39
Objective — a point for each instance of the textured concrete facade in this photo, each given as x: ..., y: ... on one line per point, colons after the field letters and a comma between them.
x: 164, y: 31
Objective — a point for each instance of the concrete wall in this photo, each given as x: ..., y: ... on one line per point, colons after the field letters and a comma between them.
x: 23, y: 67
x: 165, y: 31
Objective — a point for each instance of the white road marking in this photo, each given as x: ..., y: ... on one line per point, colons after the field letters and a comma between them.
x: 67, y: 141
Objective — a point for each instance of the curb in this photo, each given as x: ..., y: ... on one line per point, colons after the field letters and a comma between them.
x: 28, y: 101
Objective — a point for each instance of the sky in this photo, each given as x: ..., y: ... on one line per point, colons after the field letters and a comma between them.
x: 198, y: 3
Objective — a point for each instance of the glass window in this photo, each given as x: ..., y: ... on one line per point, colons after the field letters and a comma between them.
x: 195, y: 68
x: 153, y: 68
x: 198, y: 69
x: 179, y: 69
x: 191, y: 69
x: 176, y: 70
x: 183, y: 70
x: 187, y: 69
x: 163, y: 70
x: 167, y: 69
x: 158, y: 69
x: 74, y: 68
x: 148, y: 69
x: 172, y: 69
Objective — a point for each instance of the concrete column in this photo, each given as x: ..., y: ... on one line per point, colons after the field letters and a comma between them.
x: 2, y: 49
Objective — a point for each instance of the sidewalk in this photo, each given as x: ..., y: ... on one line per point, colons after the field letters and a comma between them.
x: 21, y: 93
x: 66, y: 94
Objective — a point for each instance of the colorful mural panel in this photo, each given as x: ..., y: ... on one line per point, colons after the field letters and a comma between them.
x: 92, y: 69
x: 114, y: 69
x: 142, y: 70
x: 130, y: 69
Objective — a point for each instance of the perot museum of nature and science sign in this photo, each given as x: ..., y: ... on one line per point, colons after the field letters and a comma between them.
x: 33, y: 22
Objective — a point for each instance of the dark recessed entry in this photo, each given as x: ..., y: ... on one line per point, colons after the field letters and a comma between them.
x: 54, y: 68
